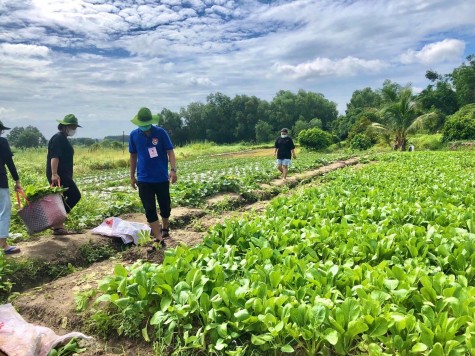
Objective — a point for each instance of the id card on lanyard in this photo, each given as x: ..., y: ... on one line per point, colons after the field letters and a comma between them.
x: 152, y: 152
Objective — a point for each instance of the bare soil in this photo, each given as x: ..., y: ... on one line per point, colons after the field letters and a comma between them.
x: 52, y: 304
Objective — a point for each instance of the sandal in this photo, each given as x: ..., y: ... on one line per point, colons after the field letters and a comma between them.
x: 158, y: 244
x: 11, y: 250
x: 165, y: 233
x: 63, y: 231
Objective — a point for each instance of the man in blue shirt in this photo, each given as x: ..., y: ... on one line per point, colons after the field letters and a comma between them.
x: 150, y: 151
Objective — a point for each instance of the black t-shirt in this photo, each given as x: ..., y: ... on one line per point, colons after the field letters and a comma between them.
x: 6, y: 159
x: 60, y: 147
x: 284, y: 147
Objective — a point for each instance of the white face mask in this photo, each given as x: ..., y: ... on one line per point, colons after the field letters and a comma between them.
x: 71, y: 132
x: 283, y: 136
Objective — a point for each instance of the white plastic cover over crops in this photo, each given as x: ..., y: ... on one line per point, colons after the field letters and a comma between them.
x: 128, y: 231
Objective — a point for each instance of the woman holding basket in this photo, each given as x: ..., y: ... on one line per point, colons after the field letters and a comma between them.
x: 59, y: 166
x: 6, y: 159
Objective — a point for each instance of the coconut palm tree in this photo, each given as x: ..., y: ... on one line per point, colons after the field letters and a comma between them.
x: 400, y: 115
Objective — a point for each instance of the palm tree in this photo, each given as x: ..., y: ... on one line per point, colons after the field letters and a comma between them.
x: 400, y: 114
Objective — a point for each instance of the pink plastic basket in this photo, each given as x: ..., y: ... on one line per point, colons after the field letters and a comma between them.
x: 43, y: 213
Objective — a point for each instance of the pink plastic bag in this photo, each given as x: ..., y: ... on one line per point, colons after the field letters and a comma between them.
x: 19, y: 338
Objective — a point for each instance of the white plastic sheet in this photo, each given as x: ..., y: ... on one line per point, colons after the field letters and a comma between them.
x: 128, y: 231
x: 19, y: 338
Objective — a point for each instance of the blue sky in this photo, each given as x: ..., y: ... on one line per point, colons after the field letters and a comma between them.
x: 104, y: 59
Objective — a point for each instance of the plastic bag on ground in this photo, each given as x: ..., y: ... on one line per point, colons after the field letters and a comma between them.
x: 19, y: 338
x: 127, y: 230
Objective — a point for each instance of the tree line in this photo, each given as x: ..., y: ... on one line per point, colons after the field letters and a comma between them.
x: 249, y: 119
x: 225, y: 120
x: 394, y: 110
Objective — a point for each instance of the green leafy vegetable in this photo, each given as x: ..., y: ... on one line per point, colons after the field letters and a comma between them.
x: 35, y: 193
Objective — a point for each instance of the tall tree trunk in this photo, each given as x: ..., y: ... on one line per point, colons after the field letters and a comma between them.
x: 403, y: 144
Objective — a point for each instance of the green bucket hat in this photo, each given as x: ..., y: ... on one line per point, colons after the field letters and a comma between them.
x: 2, y: 127
x: 69, y: 119
x: 144, y: 117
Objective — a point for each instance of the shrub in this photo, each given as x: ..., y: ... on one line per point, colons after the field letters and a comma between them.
x: 427, y: 142
x: 461, y: 125
x: 315, y: 139
x: 361, y: 142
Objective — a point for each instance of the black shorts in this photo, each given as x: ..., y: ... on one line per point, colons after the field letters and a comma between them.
x: 149, y: 194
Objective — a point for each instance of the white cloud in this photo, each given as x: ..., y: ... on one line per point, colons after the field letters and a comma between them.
x: 206, y: 82
x: 446, y: 50
x: 20, y: 61
x: 196, y: 4
x: 8, y: 49
x: 6, y: 111
x: 348, y: 66
x: 221, y: 10
x: 417, y: 90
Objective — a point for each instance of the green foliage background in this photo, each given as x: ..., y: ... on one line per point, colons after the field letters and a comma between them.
x: 461, y: 125
x: 315, y: 139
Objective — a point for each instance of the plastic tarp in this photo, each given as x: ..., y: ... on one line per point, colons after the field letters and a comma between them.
x: 19, y: 338
x: 128, y: 231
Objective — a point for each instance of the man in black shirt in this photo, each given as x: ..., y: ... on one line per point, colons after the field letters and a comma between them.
x: 284, y: 151
x: 5, y: 201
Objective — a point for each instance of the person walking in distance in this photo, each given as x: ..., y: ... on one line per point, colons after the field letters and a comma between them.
x: 150, y: 151
x: 284, y: 152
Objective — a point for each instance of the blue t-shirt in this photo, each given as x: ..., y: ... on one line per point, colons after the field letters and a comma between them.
x: 152, y: 158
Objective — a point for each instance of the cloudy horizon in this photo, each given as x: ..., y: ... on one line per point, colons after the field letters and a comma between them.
x: 104, y: 59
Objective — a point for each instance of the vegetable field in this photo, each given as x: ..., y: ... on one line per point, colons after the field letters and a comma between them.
x: 107, y: 192
x: 378, y: 260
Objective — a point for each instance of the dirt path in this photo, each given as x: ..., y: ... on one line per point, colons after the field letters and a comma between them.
x: 52, y: 304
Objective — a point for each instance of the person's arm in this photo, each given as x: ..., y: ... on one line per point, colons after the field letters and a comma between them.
x: 172, y: 159
x: 293, y: 153
x: 12, y: 168
x: 133, y: 168
x: 54, y: 171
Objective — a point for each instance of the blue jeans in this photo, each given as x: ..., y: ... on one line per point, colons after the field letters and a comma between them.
x: 5, y: 212
x: 283, y: 162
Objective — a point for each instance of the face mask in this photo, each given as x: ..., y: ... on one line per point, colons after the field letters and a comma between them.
x: 71, y: 132
x: 283, y: 136
x: 145, y: 128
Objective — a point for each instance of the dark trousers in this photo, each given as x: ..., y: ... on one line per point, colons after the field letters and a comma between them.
x: 149, y: 194
x: 71, y: 196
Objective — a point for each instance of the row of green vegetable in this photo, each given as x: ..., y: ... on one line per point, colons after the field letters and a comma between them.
x: 378, y: 260
x: 108, y: 192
